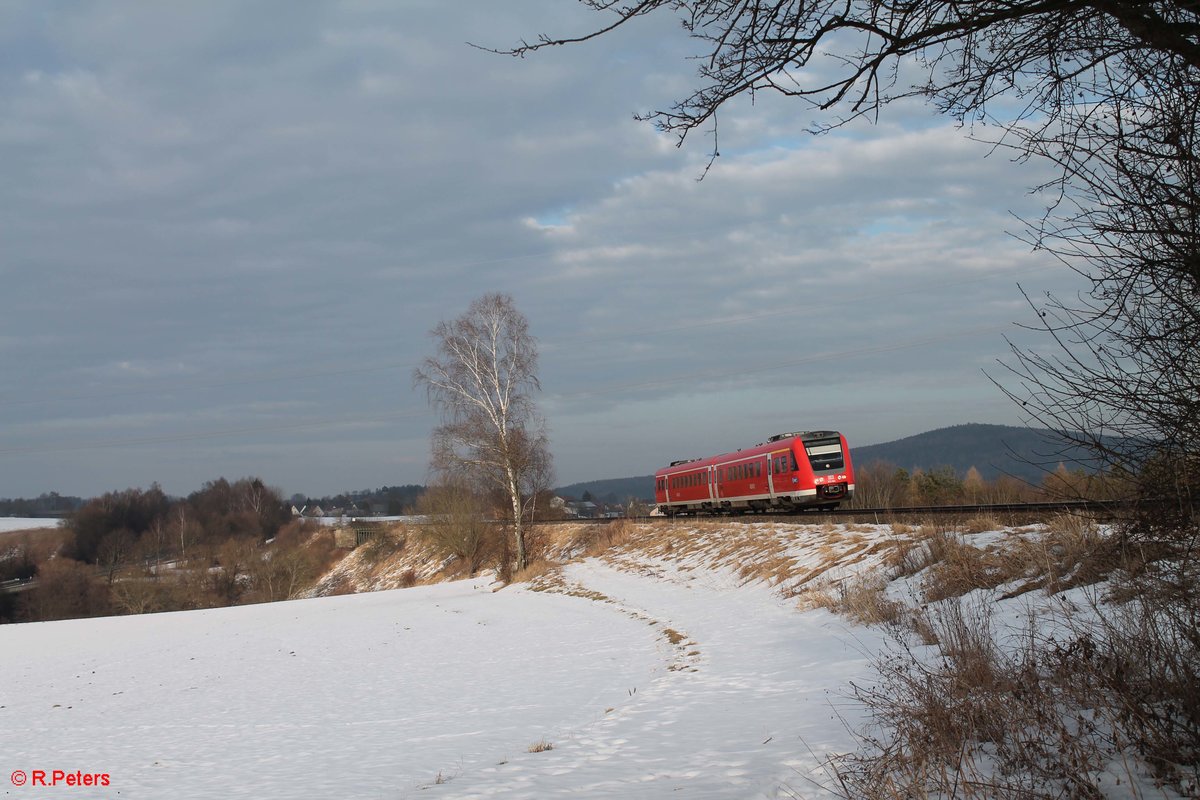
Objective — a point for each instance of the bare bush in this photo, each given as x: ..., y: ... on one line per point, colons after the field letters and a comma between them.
x: 535, y: 569
x: 866, y: 602
x: 455, y: 525
x: 1113, y: 704
x: 66, y: 589
x: 141, y: 595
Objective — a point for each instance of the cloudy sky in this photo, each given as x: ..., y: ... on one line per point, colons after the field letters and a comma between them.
x: 226, y: 229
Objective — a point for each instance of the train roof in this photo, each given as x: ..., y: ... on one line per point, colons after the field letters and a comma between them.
x: 803, y: 436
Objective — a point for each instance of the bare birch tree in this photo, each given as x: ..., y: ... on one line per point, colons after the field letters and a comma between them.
x: 482, y: 382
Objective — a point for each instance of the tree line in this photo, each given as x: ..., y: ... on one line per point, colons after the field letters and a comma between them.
x: 46, y: 504
x: 138, y: 550
x: 881, y: 484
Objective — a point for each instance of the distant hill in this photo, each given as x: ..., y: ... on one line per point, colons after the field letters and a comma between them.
x: 992, y: 449
x: 613, y: 490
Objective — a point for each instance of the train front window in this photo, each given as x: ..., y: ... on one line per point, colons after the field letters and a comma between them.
x: 825, y: 454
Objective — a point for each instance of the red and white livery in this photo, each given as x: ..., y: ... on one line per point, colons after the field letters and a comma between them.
x: 789, y: 471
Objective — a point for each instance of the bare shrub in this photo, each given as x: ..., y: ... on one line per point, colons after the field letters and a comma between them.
x: 982, y: 525
x: 228, y: 580
x: 382, y: 546
x: 957, y: 567
x: 66, y: 589
x: 1142, y: 661
x: 974, y: 723
x: 1074, y: 552
x: 137, y: 595
x: 340, y: 585
x: 906, y: 558
x: 866, y: 602
x: 282, y: 572
x: 534, y: 569
x: 455, y: 525
x: 600, y: 538
x: 812, y: 597
x: 540, y: 746
x: 1033, y: 717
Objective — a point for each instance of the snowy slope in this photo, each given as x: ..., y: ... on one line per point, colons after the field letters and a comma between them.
x: 657, y: 682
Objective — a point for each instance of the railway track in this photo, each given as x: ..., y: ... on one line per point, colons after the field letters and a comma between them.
x: 881, y: 514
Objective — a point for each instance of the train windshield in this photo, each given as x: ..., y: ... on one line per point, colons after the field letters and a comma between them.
x: 825, y: 454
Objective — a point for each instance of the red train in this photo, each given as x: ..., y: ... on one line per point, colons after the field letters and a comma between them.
x: 789, y: 471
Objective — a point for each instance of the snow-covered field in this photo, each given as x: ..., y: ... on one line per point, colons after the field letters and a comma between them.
x: 27, y: 523
x: 663, y: 681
